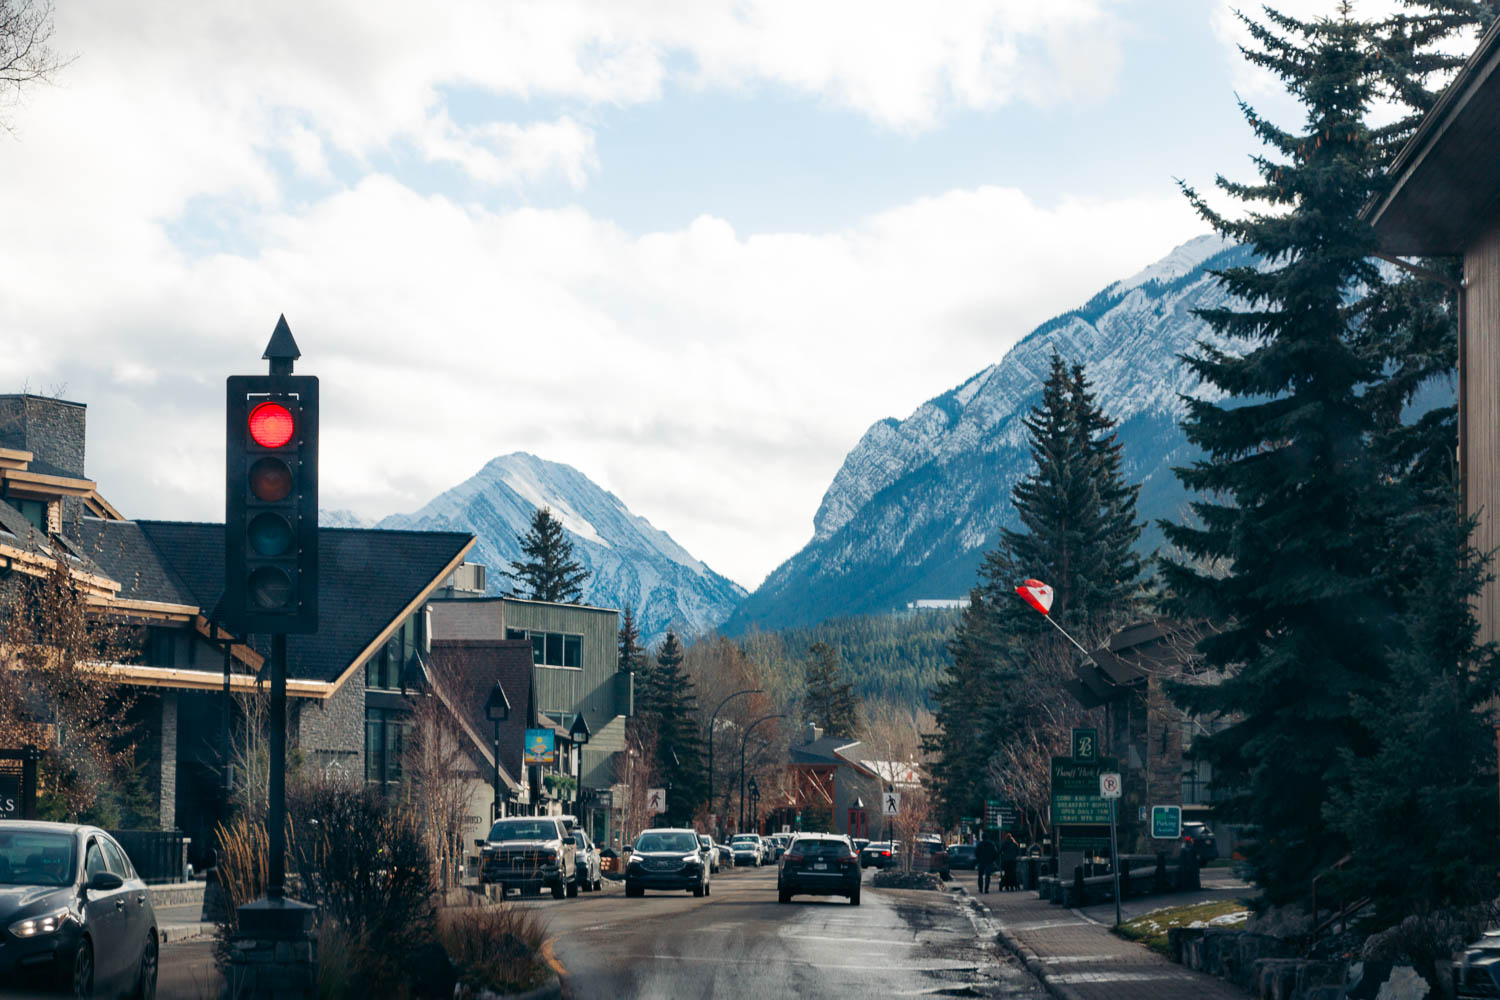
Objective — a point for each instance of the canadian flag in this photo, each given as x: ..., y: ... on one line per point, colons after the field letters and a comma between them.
x: 1037, y: 594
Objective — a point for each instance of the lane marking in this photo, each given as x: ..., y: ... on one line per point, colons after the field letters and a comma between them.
x: 550, y: 957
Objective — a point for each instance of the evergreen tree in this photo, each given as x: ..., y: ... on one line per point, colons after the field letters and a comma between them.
x: 828, y: 699
x: 549, y: 572
x: 1285, y: 554
x: 1077, y: 533
x: 671, y: 705
x: 632, y: 655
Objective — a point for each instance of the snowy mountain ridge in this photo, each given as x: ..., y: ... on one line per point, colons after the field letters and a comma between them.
x: 917, y: 501
x: 631, y: 563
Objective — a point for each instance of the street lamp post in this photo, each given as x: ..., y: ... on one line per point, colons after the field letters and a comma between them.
x: 754, y: 803
x: 497, y: 710
x: 743, y: 740
x: 579, y: 734
x: 711, y: 720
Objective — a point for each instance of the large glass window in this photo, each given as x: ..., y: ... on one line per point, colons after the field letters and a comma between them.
x: 383, y: 671
x: 34, y: 511
x: 551, y: 649
x: 385, y: 745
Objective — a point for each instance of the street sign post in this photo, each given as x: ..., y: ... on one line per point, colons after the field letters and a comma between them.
x: 890, y: 803
x: 656, y: 800
x: 1166, y: 822
x: 1109, y: 785
x: 1110, y: 788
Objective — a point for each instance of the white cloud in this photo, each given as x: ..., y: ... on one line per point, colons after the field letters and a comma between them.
x: 714, y: 381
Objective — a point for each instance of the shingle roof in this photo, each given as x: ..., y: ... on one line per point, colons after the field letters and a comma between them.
x: 19, y: 533
x: 127, y: 556
x: 821, y: 751
x: 365, y: 579
x: 469, y: 669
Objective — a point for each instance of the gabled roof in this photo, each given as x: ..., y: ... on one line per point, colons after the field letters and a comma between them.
x: 1445, y: 182
x: 126, y: 554
x: 824, y: 750
x: 368, y: 582
x: 468, y: 669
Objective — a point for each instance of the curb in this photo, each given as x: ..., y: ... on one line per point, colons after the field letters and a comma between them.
x: 1028, y: 958
x: 177, y: 933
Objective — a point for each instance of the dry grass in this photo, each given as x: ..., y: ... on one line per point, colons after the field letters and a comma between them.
x: 495, y: 947
x: 1151, y: 928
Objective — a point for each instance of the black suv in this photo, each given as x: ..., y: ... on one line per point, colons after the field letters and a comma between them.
x: 668, y: 858
x: 1201, y: 839
x: 529, y: 853
x: 818, y: 864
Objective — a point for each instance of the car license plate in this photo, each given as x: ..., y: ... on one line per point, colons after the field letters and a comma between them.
x: 821, y: 866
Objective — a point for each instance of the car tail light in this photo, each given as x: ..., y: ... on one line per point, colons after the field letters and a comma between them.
x: 791, y: 857
x: 885, y: 854
x: 1187, y: 840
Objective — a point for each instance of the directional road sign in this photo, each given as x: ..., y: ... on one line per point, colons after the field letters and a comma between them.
x: 1109, y: 785
x: 890, y: 803
x: 656, y: 800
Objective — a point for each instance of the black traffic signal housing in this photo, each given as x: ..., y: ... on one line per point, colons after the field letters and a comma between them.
x: 271, y: 504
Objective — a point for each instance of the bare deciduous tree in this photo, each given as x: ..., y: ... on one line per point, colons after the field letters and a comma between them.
x: 26, y: 55
x: 440, y: 773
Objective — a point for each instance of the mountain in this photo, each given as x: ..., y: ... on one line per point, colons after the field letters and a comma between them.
x: 630, y: 562
x: 918, y: 501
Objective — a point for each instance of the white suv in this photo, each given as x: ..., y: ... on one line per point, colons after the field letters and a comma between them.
x: 748, y: 848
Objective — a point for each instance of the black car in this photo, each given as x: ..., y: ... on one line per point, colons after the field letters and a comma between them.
x: 530, y: 853
x: 1201, y: 839
x: 669, y: 859
x: 880, y: 854
x: 74, y: 915
x: 962, y: 856
x: 819, y: 865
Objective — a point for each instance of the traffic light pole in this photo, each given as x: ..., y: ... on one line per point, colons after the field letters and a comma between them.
x: 276, y: 811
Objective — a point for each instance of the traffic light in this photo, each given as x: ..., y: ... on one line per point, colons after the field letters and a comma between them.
x: 271, y: 504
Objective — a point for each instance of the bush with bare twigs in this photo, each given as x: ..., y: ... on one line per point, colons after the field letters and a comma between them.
x: 497, y: 948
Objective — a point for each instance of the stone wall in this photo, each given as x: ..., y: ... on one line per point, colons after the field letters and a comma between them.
x: 167, y: 768
x: 331, y: 732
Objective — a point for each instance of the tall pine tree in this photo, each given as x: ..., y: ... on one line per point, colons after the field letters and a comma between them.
x: 1285, y: 554
x: 829, y: 701
x: 549, y: 571
x: 670, y: 704
x: 1077, y: 533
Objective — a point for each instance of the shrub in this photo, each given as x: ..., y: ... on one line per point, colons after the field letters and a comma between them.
x: 496, y: 947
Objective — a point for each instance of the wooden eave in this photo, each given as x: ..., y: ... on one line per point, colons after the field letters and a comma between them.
x: 1445, y: 182
x: 49, y: 486
x: 213, y: 633
x: 138, y: 675
x: 15, y: 458
x: 156, y: 610
x: 37, y: 564
x: 403, y: 614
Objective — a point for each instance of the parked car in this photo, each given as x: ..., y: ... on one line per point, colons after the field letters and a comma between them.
x: 748, y: 849
x: 879, y: 854
x: 1201, y: 839
x: 819, y: 864
x: 706, y: 843
x: 860, y: 843
x: 74, y: 914
x: 962, y: 856
x: 529, y: 853
x: 931, y: 856
x: 780, y: 842
x: 668, y: 858
x: 587, y: 861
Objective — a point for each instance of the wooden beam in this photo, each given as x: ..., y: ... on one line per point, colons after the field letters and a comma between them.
x: 240, y: 651
x: 137, y: 675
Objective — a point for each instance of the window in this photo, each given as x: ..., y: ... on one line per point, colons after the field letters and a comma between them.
x: 385, y: 745
x: 384, y: 668
x: 93, y: 861
x: 34, y: 511
x: 551, y: 649
x: 115, y: 858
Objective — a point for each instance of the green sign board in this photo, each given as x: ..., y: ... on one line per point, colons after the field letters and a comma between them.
x: 1166, y: 822
x: 1001, y: 814
x: 1075, y: 791
x: 1084, y: 843
x: 1086, y: 746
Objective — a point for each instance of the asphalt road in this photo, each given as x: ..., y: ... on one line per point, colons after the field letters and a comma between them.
x: 740, y: 942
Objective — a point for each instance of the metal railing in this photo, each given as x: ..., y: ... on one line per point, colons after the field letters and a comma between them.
x: 158, y: 855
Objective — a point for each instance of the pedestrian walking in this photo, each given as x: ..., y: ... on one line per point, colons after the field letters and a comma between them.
x: 984, y: 857
x: 1009, y: 851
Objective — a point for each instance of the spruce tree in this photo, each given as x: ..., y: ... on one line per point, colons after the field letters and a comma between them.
x: 1077, y: 532
x: 828, y: 699
x: 672, y: 706
x: 1284, y: 556
x: 549, y: 571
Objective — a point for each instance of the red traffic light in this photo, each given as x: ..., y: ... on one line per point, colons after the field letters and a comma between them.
x: 271, y: 425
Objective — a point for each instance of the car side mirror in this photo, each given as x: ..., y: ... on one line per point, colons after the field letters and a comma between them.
x: 105, y: 881
x: 479, y: 842
x: 570, y: 841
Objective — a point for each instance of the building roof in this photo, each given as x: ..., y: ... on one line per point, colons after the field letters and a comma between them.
x: 823, y: 750
x: 1445, y: 186
x: 467, y: 669
x: 126, y: 555
x: 368, y: 582
x: 1129, y: 657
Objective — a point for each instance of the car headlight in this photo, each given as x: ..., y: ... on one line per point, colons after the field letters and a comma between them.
x: 47, y: 923
x: 691, y: 859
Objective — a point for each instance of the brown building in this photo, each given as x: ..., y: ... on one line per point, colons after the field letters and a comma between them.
x: 1444, y: 201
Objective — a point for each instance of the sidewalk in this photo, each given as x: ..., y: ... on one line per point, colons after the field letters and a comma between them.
x: 1078, y: 958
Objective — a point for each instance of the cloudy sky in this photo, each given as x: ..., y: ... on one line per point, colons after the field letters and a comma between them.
x: 693, y: 248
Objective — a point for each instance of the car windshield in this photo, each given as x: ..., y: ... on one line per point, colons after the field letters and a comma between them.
x: 36, y: 857
x: 819, y: 848
x: 879, y: 846
x: 682, y: 842
x: 524, y: 829
x: 744, y: 838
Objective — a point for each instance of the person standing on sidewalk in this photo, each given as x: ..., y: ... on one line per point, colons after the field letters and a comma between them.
x: 1009, y: 851
x: 984, y: 857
